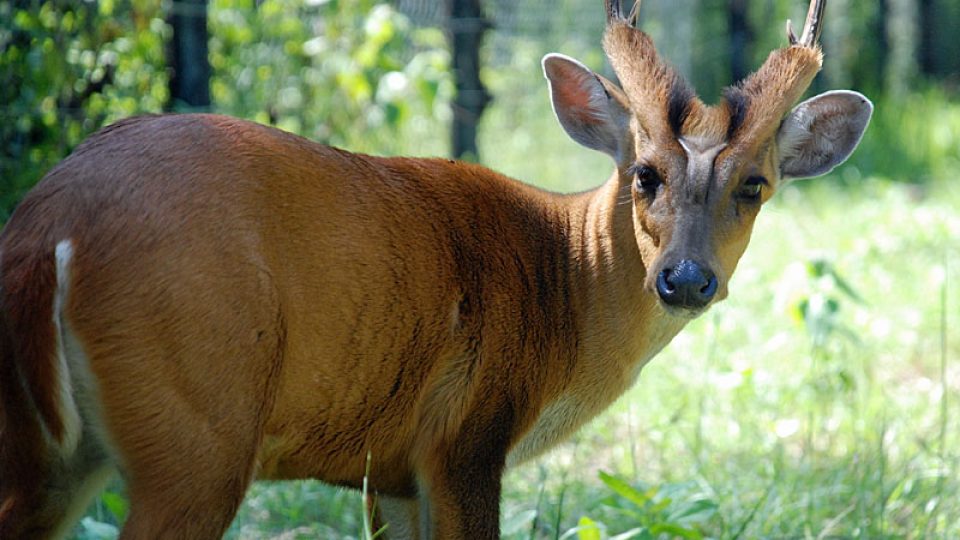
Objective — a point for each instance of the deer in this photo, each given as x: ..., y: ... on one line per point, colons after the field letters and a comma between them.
x: 197, y: 302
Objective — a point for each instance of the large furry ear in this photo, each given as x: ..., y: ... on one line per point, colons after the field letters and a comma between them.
x: 822, y: 132
x: 584, y: 106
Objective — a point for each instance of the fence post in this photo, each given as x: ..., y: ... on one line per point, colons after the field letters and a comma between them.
x: 187, y: 56
x: 466, y: 25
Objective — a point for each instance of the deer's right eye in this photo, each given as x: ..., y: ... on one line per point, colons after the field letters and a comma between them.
x: 648, y: 181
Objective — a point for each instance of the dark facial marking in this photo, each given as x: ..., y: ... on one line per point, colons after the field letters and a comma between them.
x: 678, y: 104
x: 737, y: 102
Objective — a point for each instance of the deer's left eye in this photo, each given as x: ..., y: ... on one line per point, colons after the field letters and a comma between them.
x: 752, y: 188
x: 648, y: 181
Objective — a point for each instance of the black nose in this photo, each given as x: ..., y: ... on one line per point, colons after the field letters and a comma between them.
x: 687, y: 285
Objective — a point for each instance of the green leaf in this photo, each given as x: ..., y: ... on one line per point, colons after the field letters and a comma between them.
x: 625, y: 490
x: 588, y: 530
x: 696, y: 511
x: 117, y: 505
x: 660, y: 505
x: 847, y: 289
x: 675, y: 531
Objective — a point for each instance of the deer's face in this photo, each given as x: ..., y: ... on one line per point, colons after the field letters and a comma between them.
x: 697, y: 175
x: 694, y: 206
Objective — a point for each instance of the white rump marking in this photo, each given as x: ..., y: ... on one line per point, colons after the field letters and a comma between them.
x: 68, y: 407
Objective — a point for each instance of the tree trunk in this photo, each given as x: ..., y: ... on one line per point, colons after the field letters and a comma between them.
x: 187, y: 56
x: 901, y: 64
x: 467, y: 25
x: 739, y: 32
x: 928, y: 31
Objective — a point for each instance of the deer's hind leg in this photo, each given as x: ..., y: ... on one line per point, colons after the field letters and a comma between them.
x: 185, y: 393
x: 188, y: 452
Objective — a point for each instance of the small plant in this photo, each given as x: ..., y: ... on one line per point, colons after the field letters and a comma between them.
x: 670, y: 510
x: 819, y: 309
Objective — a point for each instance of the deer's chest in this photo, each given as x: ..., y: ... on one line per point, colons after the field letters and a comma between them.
x: 589, y: 394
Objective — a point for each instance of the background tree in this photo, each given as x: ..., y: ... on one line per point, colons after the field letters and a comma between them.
x: 466, y: 27
x: 65, y: 69
x: 189, y: 67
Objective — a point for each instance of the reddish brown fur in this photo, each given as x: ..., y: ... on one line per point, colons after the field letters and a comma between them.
x: 774, y: 88
x: 646, y: 79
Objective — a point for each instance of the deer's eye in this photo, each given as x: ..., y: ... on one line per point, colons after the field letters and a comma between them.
x: 752, y: 188
x: 648, y: 181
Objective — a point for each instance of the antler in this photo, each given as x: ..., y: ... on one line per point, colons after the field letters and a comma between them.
x: 660, y: 98
x: 811, y: 28
x: 615, y: 12
x: 769, y: 93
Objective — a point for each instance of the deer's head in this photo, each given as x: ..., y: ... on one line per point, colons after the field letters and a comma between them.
x: 699, y: 174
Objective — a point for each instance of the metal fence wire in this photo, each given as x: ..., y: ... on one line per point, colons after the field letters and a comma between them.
x: 693, y: 35
x: 575, y: 27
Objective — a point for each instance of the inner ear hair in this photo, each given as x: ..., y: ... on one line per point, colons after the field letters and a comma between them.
x: 822, y: 132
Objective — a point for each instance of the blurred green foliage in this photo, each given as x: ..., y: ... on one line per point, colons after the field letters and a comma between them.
x: 66, y: 68
x: 913, y: 139
x: 345, y: 72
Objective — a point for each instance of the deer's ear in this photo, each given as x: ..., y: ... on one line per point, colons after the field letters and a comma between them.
x: 822, y: 132
x: 585, y: 108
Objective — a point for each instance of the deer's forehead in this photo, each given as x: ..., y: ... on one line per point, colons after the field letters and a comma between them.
x: 704, y: 133
x: 700, y: 151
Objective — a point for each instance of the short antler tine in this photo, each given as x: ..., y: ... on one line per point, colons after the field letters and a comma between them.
x: 634, y: 14
x: 814, y: 25
x: 613, y: 10
x: 790, y: 35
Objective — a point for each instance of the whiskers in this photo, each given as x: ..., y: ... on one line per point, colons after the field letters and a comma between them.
x: 624, y: 195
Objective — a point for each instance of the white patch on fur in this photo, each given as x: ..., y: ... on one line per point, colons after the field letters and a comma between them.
x: 69, y: 413
x: 401, y: 520
x: 558, y: 419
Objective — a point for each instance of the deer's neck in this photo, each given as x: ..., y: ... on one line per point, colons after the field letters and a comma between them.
x: 622, y: 325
